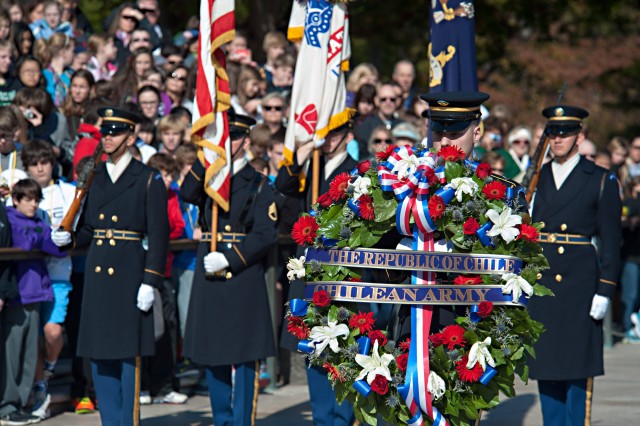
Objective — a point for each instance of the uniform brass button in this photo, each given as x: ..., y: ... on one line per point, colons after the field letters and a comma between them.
x: 228, y: 275
x: 114, y: 218
x: 563, y: 227
x: 560, y: 250
x: 99, y: 242
x: 229, y: 245
x: 558, y: 278
x: 219, y: 237
x: 110, y: 271
x: 539, y: 276
x: 227, y: 228
x: 553, y: 238
x: 101, y: 216
x: 112, y: 242
x: 98, y: 269
x: 542, y: 225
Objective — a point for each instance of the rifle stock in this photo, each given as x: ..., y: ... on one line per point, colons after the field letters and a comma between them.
x: 84, y: 181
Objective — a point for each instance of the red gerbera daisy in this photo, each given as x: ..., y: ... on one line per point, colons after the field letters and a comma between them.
x: 467, y: 280
x: 436, y: 206
x: 453, y: 335
x: 528, y: 233
x: 405, y: 345
x: 297, y: 327
x: 304, y: 230
x: 468, y: 375
x: 362, y: 320
x: 451, y: 153
x: 494, y: 190
x: 365, y: 207
x: 384, y: 155
x: 338, y: 186
x: 333, y: 372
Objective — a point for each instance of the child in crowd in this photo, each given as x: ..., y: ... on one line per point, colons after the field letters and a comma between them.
x: 57, y: 197
x: 51, y: 23
x: 20, y: 340
x: 282, y: 80
x: 103, y: 54
x: 171, y: 131
x: 260, y: 136
x: 146, y: 142
x: 88, y: 135
x: 160, y: 381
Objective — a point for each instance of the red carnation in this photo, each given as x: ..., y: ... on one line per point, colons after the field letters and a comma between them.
x: 436, y: 339
x: 377, y: 336
x: 467, y: 280
x: 297, y: 327
x: 325, y: 200
x: 333, y: 372
x: 363, y: 321
x: 384, y: 155
x: 470, y: 226
x: 321, y: 298
x: 430, y: 174
x: 338, y: 186
x: 468, y: 375
x: 528, y: 233
x: 451, y: 153
x: 483, y: 170
x: 436, y: 206
x: 380, y: 385
x: 452, y: 336
x: 405, y: 345
x: 364, y: 166
x: 402, y: 360
x: 494, y: 190
x: 304, y: 230
x: 365, y: 207
x: 484, y: 309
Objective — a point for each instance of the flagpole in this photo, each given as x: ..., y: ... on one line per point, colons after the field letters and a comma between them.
x: 315, y: 181
x: 214, y: 227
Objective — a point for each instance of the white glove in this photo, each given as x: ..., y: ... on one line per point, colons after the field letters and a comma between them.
x: 214, y: 262
x: 61, y: 238
x: 405, y: 244
x: 599, y: 307
x: 145, y: 297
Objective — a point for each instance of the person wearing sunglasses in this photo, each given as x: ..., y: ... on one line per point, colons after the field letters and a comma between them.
x: 380, y: 139
x: 519, y: 141
x: 577, y: 202
x: 273, y: 108
x: 176, y: 87
x: 493, y: 140
x: 151, y: 11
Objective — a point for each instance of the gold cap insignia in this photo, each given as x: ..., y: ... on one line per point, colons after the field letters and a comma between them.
x: 443, y: 103
x: 108, y: 113
x: 559, y: 112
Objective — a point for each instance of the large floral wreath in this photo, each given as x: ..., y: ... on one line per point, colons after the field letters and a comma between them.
x: 476, y: 214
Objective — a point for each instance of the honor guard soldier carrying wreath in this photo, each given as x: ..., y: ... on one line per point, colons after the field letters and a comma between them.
x: 576, y: 201
x: 229, y: 320
x: 125, y: 225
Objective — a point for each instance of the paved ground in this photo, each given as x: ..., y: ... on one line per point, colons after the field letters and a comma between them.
x: 616, y: 402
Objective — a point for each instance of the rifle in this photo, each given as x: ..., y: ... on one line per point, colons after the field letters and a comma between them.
x: 85, y: 176
x: 532, y: 176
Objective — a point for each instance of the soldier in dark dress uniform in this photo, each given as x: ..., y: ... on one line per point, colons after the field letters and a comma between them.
x: 125, y: 225
x: 576, y: 201
x: 229, y: 320
x: 335, y: 160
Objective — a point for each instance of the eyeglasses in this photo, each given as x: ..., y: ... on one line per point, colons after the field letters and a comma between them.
x: 149, y: 11
x: 387, y: 141
x: 138, y: 40
x: 178, y: 76
x: 174, y: 63
x: 129, y: 18
x: 388, y: 99
x: 272, y: 108
x: 520, y: 141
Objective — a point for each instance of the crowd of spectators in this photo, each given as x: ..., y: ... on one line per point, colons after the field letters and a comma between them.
x: 56, y: 71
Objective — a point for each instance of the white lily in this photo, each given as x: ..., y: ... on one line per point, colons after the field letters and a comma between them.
x: 436, y: 385
x: 516, y: 285
x: 480, y: 353
x: 327, y: 335
x: 504, y: 224
x: 406, y: 166
x: 374, y: 364
x: 296, y: 268
x: 360, y: 186
x: 427, y: 160
x: 464, y: 186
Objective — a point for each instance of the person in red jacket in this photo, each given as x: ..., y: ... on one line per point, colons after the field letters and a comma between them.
x: 158, y: 379
x: 89, y: 137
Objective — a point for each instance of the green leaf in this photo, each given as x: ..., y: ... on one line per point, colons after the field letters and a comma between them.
x: 452, y: 170
x: 540, y: 290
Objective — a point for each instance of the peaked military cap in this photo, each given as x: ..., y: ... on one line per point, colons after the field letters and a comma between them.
x: 453, y: 111
x: 348, y: 125
x: 117, y: 121
x: 564, y: 119
x: 239, y: 125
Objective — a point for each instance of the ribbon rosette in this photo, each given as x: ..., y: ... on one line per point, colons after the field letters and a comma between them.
x: 410, y: 177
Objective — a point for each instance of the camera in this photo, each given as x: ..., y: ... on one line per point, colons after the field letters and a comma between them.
x: 28, y: 114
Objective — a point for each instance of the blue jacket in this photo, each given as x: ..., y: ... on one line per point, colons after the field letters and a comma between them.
x: 32, y: 234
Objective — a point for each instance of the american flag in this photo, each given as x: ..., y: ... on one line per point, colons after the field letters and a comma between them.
x: 210, y: 127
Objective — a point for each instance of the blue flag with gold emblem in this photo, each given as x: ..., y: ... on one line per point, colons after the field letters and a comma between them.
x: 452, y: 50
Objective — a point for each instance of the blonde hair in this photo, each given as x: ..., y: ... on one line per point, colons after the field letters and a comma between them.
x: 97, y: 41
x: 171, y: 123
x: 362, y: 70
x: 44, y: 50
x: 273, y: 39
